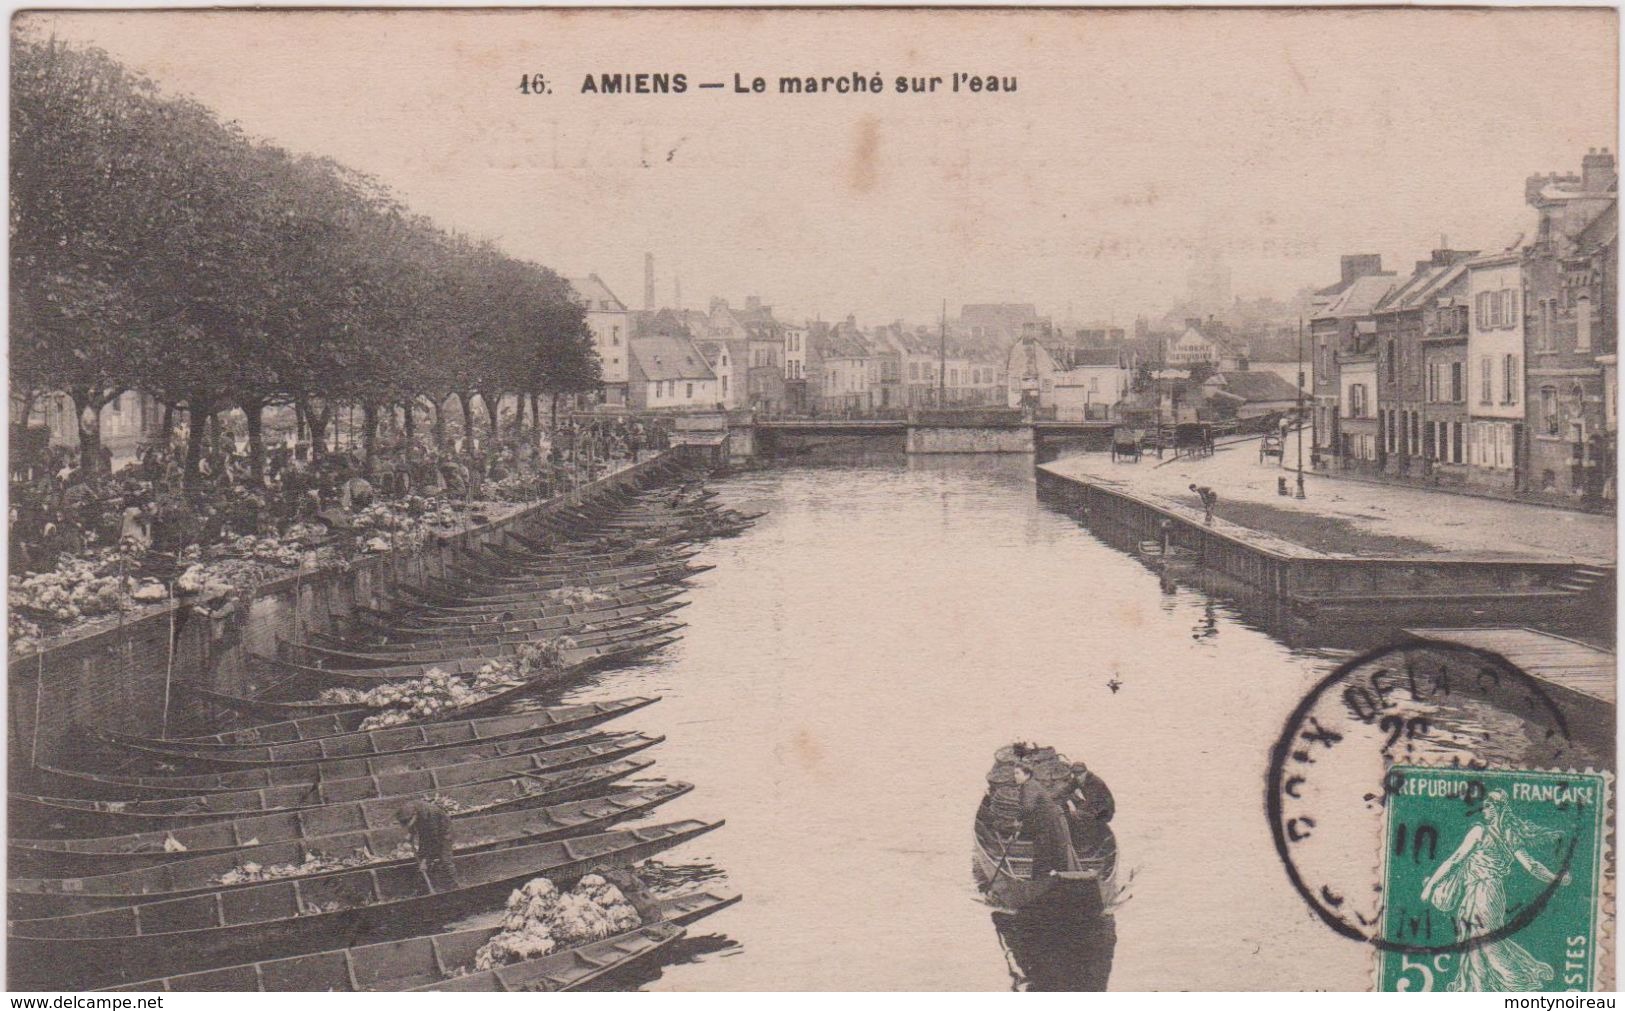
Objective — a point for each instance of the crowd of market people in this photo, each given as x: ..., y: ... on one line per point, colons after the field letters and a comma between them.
x: 87, y: 542
x: 59, y: 507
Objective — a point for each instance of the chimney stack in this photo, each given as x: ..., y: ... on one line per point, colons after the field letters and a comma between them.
x: 1597, y: 173
x: 1358, y: 265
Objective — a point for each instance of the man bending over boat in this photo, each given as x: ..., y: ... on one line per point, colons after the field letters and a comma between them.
x: 431, y: 830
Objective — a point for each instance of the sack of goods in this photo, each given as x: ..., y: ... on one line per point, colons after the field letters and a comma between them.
x: 541, y: 919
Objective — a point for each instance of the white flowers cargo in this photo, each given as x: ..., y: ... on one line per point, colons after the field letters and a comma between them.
x: 439, y: 693
x: 313, y: 863
x: 540, y: 919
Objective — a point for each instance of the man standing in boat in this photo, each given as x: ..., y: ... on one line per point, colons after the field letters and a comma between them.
x: 431, y: 830
x: 1044, y: 824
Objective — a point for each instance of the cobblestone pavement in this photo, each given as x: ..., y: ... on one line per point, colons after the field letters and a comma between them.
x: 1372, y: 513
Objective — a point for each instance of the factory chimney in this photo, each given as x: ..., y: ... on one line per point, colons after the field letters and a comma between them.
x: 649, y: 281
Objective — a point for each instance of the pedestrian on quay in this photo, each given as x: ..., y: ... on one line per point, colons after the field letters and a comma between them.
x: 431, y: 830
x: 1210, y: 498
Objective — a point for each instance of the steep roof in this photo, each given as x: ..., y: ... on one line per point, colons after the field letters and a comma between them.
x: 1096, y: 357
x: 668, y: 322
x: 1360, y: 297
x: 1256, y: 387
x: 840, y: 344
x: 596, y: 294
x: 1603, y: 229
x: 662, y: 357
x: 1418, y: 290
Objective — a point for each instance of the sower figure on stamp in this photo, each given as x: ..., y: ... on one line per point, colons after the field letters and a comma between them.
x: 431, y: 831
x: 1471, y: 886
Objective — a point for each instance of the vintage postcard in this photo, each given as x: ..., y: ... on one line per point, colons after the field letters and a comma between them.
x: 813, y: 499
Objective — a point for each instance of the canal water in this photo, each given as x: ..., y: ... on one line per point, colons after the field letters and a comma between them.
x: 853, y: 662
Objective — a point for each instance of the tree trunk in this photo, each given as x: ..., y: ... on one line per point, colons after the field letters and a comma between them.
x: 467, y: 400
x: 166, y: 428
x: 410, y: 422
x: 553, y: 402
x: 87, y: 407
x: 254, y: 411
x: 299, y: 425
x: 317, y: 422
x: 493, y: 412
x: 439, y: 424
x: 197, y: 415
x: 369, y: 436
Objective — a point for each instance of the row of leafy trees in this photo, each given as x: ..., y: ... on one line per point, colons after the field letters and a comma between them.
x: 155, y: 248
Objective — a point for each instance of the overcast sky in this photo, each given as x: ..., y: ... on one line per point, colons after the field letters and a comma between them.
x: 1134, y: 140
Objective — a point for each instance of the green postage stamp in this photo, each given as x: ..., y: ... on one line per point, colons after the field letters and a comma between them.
x: 1494, y: 880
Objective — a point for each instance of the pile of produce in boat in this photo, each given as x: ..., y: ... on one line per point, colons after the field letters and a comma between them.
x: 438, y: 691
x: 450, y: 806
x: 314, y: 863
x: 579, y: 595
x: 540, y: 918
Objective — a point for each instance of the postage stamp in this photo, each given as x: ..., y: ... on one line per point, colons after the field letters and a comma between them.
x: 1494, y: 880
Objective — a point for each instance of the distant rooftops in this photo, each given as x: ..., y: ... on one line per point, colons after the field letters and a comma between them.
x: 662, y: 357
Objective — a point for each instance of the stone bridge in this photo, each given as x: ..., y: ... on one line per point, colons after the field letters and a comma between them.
x: 968, y: 431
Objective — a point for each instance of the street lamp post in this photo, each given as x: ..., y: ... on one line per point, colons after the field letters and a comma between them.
x: 1300, y: 408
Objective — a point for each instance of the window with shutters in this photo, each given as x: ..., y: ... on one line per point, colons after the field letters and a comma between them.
x: 1486, y: 384
x: 1509, y: 307
x: 1582, y: 323
x: 1433, y: 383
x: 1510, y: 374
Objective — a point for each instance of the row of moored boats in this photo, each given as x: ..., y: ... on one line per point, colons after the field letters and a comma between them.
x: 265, y: 854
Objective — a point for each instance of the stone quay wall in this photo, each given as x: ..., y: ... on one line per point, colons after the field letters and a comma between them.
x: 1309, y: 580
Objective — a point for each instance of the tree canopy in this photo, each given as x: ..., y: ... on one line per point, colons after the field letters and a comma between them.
x: 155, y: 248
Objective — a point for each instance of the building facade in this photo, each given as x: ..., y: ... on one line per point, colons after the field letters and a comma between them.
x: 1495, y: 373
x: 1342, y: 326
x: 611, y: 326
x: 1568, y: 274
x: 669, y: 373
x: 1402, y: 376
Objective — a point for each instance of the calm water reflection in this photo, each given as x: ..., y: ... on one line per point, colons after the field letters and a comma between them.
x: 849, y: 668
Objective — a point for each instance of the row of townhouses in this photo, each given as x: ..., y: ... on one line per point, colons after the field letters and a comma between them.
x: 1494, y: 371
x: 998, y: 354
x: 730, y: 357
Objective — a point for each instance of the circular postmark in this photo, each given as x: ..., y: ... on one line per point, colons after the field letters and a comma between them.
x: 1420, y: 719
